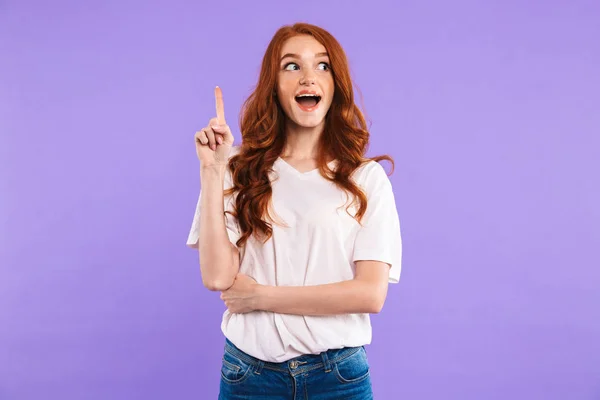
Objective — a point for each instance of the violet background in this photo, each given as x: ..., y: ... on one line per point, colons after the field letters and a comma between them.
x: 490, y: 110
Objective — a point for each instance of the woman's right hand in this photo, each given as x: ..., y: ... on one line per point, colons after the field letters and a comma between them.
x: 214, y: 142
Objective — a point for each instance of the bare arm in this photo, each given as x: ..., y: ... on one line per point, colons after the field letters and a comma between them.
x: 365, y: 293
x: 219, y: 258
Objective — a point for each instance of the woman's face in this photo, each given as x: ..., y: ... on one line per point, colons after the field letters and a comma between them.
x: 305, y: 83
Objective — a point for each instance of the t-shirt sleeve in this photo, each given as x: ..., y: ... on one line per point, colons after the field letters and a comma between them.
x: 231, y: 223
x: 379, y: 239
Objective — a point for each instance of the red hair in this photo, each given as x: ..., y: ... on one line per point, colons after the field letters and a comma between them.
x: 345, y: 136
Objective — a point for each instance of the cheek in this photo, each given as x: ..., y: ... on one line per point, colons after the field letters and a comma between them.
x: 330, y: 97
x: 330, y: 89
x: 282, y: 95
x: 285, y: 87
x: 279, y: 92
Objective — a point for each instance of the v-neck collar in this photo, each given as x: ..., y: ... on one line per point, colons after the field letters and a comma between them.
x: 292, y: 169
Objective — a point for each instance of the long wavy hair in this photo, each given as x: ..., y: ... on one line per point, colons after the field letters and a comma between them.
x: 262, y: 122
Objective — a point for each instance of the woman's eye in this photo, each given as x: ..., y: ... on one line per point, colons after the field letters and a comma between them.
x: 293, y: 66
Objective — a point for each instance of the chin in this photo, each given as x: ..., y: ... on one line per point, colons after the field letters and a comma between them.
x: 308, y: 122
x: 313, y: 120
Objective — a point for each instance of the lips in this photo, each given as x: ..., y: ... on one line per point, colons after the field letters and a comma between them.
x: 308, y: 101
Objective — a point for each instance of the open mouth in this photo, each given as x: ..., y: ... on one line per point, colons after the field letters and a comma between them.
x: 308, y: 101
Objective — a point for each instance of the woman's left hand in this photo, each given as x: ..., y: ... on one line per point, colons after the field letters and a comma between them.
x: 242, y: 296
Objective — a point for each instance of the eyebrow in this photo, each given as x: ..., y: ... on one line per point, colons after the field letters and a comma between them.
x: 291, y: 55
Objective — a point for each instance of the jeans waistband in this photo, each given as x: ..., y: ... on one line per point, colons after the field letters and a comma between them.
x: 304, y: 362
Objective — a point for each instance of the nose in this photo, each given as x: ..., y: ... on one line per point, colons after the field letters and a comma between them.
x: 308, y: 78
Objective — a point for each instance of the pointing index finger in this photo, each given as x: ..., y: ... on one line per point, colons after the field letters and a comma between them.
x: 220, y: 106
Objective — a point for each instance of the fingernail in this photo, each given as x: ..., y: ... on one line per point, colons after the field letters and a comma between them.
x: 219, y: 140
x: 217, y: 127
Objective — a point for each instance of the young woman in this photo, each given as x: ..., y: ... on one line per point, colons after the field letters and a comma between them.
x: 296, y: 228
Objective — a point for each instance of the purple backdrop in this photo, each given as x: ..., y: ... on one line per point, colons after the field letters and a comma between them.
x: 490, y: 109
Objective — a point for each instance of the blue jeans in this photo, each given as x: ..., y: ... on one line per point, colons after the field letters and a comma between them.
x: 331, y: 375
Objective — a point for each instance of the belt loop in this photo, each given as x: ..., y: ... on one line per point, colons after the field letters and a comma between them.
x: 326, y: 362
x: 259, y: 366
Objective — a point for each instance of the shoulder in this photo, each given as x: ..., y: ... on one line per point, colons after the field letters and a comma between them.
x: 371, y: 175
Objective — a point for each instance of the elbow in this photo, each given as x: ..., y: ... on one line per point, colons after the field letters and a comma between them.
x: 217, y: 285
x: 375, y: 303
x: 218, y: 274
x: 376, y: 307
x: 218, y: 282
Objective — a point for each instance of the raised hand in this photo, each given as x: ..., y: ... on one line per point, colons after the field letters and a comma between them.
x: 213, y: 142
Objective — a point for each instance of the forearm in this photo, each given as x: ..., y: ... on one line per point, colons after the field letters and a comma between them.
x: 347, y: 297
x: 216, y: 254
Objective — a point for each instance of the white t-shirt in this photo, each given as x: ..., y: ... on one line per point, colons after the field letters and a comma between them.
x: 319, y: 247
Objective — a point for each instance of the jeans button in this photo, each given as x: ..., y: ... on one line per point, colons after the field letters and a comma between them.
x: 294, y: 364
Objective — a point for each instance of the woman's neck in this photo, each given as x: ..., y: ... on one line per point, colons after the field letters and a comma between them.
x: 302, y: 143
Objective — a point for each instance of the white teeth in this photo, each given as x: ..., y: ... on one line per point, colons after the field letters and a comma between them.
x: 308, y: 95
